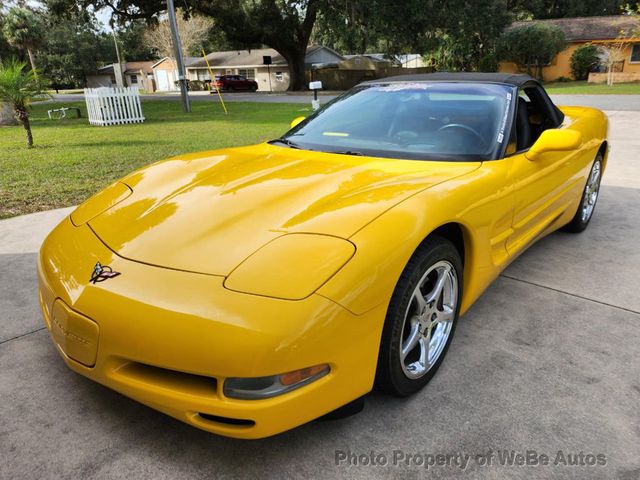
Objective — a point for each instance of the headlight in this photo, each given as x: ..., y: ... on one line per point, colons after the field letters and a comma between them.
x: 100, y: 202
x: 267, y: 387
x: 292, y: 266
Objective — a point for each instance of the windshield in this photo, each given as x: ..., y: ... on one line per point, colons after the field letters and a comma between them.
x: 420, y: 120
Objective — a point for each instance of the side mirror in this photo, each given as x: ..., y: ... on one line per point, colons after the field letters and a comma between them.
x: 296, y: 121
x: 555, y: 140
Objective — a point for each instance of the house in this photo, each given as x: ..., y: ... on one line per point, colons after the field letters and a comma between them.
x: 126, y: 74
x: 605, y: 30
x: 165, y: 73
x: 412, y: 60
x: 367, y: 61
x: 249, y: 63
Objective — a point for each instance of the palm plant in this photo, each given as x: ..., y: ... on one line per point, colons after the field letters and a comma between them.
x: 18, y: 87
x: 23, y: 29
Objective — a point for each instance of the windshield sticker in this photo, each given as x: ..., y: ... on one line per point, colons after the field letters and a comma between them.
x: 399, y: 87
x: 503, y: 125
x: 335, y: 134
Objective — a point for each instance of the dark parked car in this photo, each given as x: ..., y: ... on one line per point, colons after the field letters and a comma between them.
x: 229, y: 83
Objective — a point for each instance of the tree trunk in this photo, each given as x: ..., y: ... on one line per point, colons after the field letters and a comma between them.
x: 32, y: 61
x: 297, y: 78
x: 23, y: 116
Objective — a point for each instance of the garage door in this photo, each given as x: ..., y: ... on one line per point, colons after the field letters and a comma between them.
x: 163, y: 80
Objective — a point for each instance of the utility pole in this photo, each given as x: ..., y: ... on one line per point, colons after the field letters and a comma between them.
x: 184, y: 91
x: 115, y: 41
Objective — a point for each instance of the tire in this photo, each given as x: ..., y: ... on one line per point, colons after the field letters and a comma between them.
x: 583, y: 216
x: 436, y: 262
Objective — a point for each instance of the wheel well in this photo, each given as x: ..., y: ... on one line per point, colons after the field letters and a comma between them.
x: 453, y: 233
x: 603, y: 151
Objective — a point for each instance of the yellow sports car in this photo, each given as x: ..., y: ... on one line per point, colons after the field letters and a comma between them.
x: 249, y: 290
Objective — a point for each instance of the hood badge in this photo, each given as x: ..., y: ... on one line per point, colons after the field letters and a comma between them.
x: 102, y: 273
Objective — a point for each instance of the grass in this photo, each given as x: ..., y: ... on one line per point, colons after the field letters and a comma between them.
x: 577, y: 88
x: 72, y: 159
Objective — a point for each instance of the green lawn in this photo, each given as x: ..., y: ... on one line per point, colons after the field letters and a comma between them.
x: 72, y: 159
x: 573, y: 88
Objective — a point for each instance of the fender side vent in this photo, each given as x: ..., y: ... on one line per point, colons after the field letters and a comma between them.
x: 238, y: 422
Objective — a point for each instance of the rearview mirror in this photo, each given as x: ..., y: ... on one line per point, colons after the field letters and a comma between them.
x: 296, y: 121
x: 555, y: 140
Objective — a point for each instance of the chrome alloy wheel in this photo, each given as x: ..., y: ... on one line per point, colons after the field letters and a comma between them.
x: 429, y: 319
x: 591, y: 191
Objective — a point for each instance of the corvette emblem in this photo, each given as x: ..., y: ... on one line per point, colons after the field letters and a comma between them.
x: 102, y: 273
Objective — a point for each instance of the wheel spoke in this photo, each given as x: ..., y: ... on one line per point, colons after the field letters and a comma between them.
x: 434, y: 295
x: 424, y: 350
x: 445, y: 315
x: 420, y: 300
x: 412, y: 340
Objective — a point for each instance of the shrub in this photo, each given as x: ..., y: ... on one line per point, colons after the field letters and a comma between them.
x: 531, y: 46
x: 584, y: 60
x: 488, y: 63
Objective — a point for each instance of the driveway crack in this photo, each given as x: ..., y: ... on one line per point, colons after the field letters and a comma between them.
x: 571, y: 294
x: 22, y: 335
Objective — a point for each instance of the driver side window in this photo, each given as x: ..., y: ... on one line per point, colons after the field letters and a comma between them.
x: 533, y: 116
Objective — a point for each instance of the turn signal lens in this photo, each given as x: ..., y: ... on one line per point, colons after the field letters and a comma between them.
x: 301, y: 375
x: 271, y: 386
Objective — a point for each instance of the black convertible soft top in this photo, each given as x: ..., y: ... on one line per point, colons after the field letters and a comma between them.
x: 516, y: 79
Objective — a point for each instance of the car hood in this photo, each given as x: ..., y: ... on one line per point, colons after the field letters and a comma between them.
x: 207, y: 212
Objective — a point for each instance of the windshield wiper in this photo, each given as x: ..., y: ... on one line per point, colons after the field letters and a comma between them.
x: 286, y: 142
x: 350, y: 152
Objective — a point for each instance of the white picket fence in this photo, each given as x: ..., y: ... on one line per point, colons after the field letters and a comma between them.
x: 113, y: 105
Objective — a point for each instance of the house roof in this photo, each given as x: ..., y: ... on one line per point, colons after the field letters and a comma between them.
x: 246, y: 58
x: 239, y: 58
x: 409, y: 57
x: 129, y: 68
x: 136, y: 67
x: 188, y: 61
x: 106, y: 70
x: 582, y: 29
x: 376, y: 57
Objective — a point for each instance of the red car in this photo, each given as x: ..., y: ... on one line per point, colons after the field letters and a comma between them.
x: 229, y: 83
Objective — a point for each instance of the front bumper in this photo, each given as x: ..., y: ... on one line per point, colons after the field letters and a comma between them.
x: 169, y: 338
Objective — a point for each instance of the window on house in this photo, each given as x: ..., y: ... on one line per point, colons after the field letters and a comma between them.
x: 248, y: 73
x: 133, y: 79
x: 279, y: 77
x: 635, y: 53
x: 203, y: 75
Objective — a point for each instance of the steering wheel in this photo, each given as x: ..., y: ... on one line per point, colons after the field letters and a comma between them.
x: 466, y: 128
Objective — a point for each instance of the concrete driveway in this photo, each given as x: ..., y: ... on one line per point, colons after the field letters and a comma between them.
x: 547, y: 361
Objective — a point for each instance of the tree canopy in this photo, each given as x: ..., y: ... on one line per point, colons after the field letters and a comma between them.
x: 23, y: 29
x: 193, y: 31
x: 73, y: 48
x: 542, y: 9
x: 532, y: 46
x: 461, y: 35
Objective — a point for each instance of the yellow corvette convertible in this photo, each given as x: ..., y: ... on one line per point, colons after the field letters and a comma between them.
x: 249, y: 290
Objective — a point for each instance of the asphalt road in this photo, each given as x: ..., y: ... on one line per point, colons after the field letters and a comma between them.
x: 603, y: 102
x: 546, y: 361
